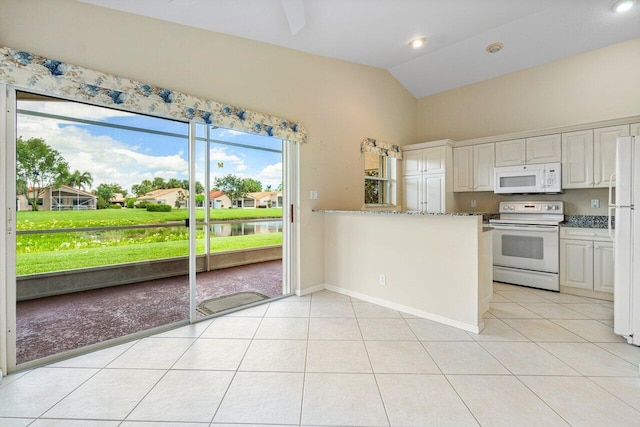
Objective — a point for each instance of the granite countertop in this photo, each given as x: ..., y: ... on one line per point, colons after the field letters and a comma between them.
x: 579, y: 221
x: 587, y: 221
x: 384, y: 212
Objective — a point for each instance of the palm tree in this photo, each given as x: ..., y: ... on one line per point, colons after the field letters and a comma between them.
x: 79, y: 180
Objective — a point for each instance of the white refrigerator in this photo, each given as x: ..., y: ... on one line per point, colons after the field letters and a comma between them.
x: 627, y: 239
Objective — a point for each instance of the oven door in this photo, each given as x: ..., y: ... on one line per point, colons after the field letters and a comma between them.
x: 519, y: 179
x: 530, y: 247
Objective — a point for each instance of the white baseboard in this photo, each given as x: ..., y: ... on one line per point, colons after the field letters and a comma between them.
x: 312, y: 289
x: 405, y: 309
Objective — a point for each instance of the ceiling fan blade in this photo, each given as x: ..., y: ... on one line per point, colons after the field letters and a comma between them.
x: 294, y: 10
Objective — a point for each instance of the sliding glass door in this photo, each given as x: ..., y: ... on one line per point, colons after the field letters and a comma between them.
x: 238, y: 220
x: 119, y: 225
x: 101, y: 251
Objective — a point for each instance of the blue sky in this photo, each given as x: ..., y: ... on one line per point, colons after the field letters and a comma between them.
x: 127, y: 157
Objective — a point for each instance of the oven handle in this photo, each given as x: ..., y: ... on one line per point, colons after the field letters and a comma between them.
x: 540, y: 228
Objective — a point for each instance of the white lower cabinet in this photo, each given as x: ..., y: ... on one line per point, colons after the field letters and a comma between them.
x: 425, y: 193
x: 576, y: 263
x: 603, y: 267
x: 586, y: 259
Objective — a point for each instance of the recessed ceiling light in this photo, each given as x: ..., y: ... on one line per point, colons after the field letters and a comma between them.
x: 622, y: 5
x: 416, y: 43
x: 495, y: 47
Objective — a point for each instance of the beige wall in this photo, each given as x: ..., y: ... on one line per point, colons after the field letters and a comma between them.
x: 597, y: 85
x: 431, y: 263
x: 338, y: 102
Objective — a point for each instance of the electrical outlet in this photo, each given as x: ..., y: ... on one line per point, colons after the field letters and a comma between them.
x: 313, y: 195
x: 595, y: 203
x: 382, y: 280
x: 473, y: 203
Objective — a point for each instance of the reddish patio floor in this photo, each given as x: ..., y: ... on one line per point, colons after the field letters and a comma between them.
x: 55, y: 324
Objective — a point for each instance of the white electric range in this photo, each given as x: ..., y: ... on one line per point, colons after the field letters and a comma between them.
x: 526, y: 244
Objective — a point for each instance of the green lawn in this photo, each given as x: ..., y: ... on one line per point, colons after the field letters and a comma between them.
x: 47, y: 252
x: 43, y: 220
x: 57, y: 260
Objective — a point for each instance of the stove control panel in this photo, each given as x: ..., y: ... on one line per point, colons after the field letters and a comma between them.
x: 532, y: 207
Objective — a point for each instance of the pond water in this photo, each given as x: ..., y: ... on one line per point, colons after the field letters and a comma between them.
x: 246, y: 228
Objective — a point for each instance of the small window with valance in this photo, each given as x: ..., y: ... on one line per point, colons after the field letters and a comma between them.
x: 379, y: 167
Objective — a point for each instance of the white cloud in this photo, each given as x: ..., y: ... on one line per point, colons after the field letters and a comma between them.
x: 227, y: 133
x: 271, y: 175
x: 108, y: 160
x: 126, y: 163
x: 219, y: 155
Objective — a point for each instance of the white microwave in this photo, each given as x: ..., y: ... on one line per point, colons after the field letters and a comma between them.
x: 528, y: 179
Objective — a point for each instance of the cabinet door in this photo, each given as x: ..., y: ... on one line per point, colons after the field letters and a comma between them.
x: 510, y: 153
x: 635, y: 129
x: 434, y: 160
x: 577, y: 159
x: 544, y: 149
x: 463, y: 169
x: 412, y: 192
x: 483, y: 163
x: 604, y: 153
x: 434, y: 193
x: 576, y: 263
x: 603, y: 267
x: 412, y: 162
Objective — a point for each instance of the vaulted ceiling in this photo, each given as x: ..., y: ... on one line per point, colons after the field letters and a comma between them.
x: 377, y: 32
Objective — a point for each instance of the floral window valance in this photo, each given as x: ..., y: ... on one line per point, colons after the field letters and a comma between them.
x: 370, y: 145
x: 53, y: 77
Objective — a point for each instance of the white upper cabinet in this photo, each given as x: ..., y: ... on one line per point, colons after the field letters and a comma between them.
x: 428, y: 160
x: 604, y: 153
x: 434, y: 160
x: 635, y: 129
x: 589, y: 157
x: 577, y: 159
x: 463, y: 168
x: 544, y: 149
x: 473, y: 167
x: 510, y: 153
x: 412, y: 162
x: 483, y: 164
x: 427, y: 179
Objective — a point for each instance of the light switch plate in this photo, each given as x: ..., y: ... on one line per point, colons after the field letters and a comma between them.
x: 595, y: 203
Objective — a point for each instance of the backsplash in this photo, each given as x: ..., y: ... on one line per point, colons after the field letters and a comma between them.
x: 576, y: 202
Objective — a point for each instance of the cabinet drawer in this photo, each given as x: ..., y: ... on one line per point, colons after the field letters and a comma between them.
x: 599, y: 234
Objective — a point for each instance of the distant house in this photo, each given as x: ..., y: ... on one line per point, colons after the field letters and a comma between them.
x: 166, y: 197
x: 219, y: 200
x: 63, y: 198
x: 267, y: 199
x: 118, y: 199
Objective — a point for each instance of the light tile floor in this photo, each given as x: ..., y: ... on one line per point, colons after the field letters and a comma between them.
x: 330, y: 360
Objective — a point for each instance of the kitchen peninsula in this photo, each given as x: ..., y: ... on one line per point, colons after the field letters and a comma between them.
x: 436, y: 266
